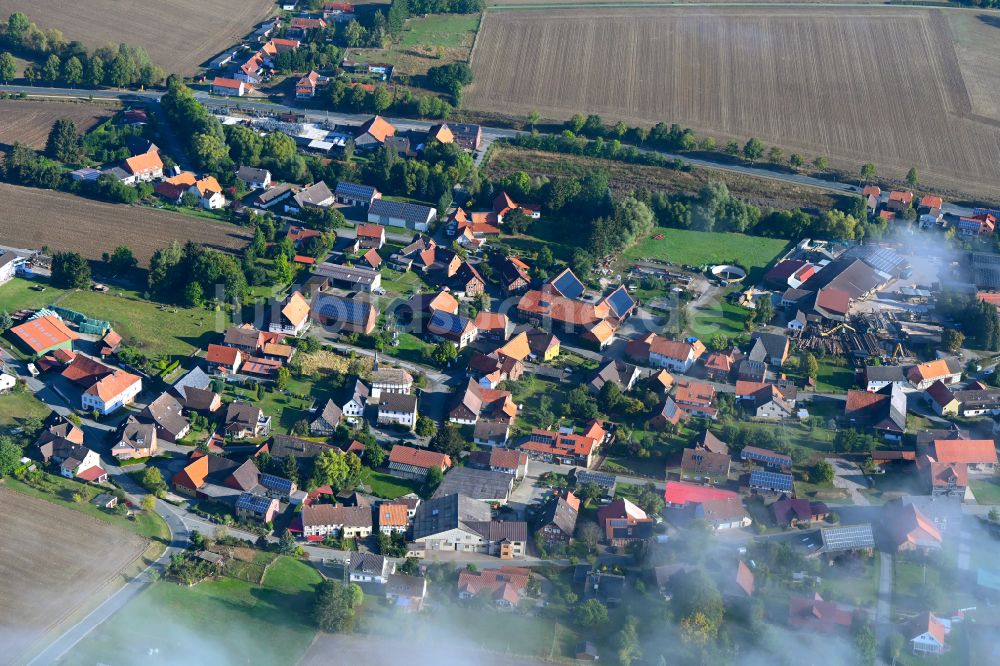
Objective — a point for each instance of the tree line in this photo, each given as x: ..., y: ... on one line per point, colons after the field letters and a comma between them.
x: 70, y: 63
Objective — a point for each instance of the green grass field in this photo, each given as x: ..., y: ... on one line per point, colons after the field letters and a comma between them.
x: 834, y: 378
x: 225, y: 621
x: 683, y: 246
x: 986, y: 490
x: 386, y: 485
x: 170, y: 331
x: 14, y: 407
x: 722, y: 317
x: 21, y: 294
x: 445, y: 30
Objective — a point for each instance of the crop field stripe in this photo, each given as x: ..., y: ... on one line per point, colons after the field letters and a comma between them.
x: 823, y: 81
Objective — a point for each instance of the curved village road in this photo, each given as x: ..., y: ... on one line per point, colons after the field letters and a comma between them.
x: 490, y: 134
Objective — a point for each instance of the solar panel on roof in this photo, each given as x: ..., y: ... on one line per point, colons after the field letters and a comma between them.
x: 847, y: 538
x: 355, y: 190
x: 343, y: 309
x: 620, y: 301
x: 776, y: 459
x: 568, y: 285
x: 444, y: 322
x: 774, y: 480
x: 253, y: 503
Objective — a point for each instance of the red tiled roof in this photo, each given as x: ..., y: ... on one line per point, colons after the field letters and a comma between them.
x: 422, y: 458
x: 43, y: 333
x: 971, y: 451
x: 92, y: 474
x: 681, y: 493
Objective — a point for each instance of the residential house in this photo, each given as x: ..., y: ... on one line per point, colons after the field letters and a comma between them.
x: 224, y: 86
x: 467, y: 282
x: 341, y: 313
x: 477, y: 402
x: 317, y: 195
x: 608, y: 588
x: 74, y: 460
x: 722, y: 514
x: 884, y: 411
x: 557, y: 521
x: 496, y: 326
x: 566, y: 446
x: 401, y: 214
x: 273, y: 196
x: 719, y: 365
x: 113, y: 389
x: 979, y: 454
x: 370, y: 236
x: 543, y: 345
x: 793, y: 512
x: 512, y: 274
x: 503, y: 204
x: 704, y: 466
x: 507, y: 461
x: 899, y: 200
x: 466, y: 136
x: 243, y: 420
x: 877, y: 377
x: 660, y: 352
x: 926, y: 633
x: 696, y: 398
x: 770, y: 348
x: 766, y: 402
x: 223, y: 360
x: 406, y: 592
x: 305, y: 87
x: 278, y: 486
x: 944, y: 479
x: 413, y: 463
x: 368, y: 567
x: 623, y: 522
x: 209, y: 193
x: 167, y: 414
x: 440, y: 133
x: 942, y: 399
x: 373, y: 133
x: 342, y: 522
x: 392, y: 518
x: 397, y: 409
x: 144, y: 167
x: 709, y: 442
x: 292, y: 318
x: 456, y: 329
x: 668, y: 414
x: 252, y: 508
x: 462, y: 524
x: 325, y: 425
x: 504, y: 587
x: 977, y: 225
x: 817, y: 615
x: 622, y: 374
x: 480, y: 484
x: 945, y: 370
x: 356, y: 398
x: 361, y: 196
x: 910, y: 530
x: 254, y: 178
x: 389, y: 380
x: 208, y: 475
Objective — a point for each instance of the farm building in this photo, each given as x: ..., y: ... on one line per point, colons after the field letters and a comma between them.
x: 401, y: 214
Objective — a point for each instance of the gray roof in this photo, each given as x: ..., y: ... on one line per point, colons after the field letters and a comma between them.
x: 196, y: 378
x: 559, y: 513
x: 252, y: 174
x: 480, y: 484
x: 367, y: 563
x: 314, y: 195
x: 274, y: 193
x: 7, y: 257
x: 847, y: 537
x: 768, y: 345
x: 448, y: 512
x: 406, y: 586
x: 353, y: 274
x: 885, y: 373
x: 412, y: 213
x: 397, y: 402
x: 167, y: 413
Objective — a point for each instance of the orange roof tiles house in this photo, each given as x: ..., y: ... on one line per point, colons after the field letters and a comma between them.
x: 978, y: 454
x: 899, y: 200
x: 145, y: 167
x: 223, y: 359
x: 931, y: 202
x: 696, y: 398
x: 374, y: 132
x: 44, y: 335
x: 416, y: 463
x: 393, y: 517
x: 112, y: 391
x: 947, y: 370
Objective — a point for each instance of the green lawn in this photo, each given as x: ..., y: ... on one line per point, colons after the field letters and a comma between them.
x: 410, y: 348
x: 446, y: 30
x: 155, y: 329
x: 399, y: 284
x: 283, y: 408
x: 697, y: 248
x: 225, y: 621
x: 834, y: 378
x: 853, y: 582
x: 59, y: 490
x: 721, y: 317
x: 986, y: 490
x: 21, y: 294
x: 15, y: 407
x: 386, y: 485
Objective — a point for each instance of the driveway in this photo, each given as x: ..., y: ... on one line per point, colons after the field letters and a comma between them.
x: 849, y: 477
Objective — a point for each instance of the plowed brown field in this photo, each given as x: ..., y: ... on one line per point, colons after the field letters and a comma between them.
x: 31, y: 218
x: 855, y: 85
x: 29, y: 121
x: 178, y: 34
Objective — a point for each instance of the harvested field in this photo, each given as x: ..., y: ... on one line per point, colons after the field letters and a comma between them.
x: 31, y: 218
x: 818, y: 81
x: 52, y: 560
x: 29, y: 121
x: 178, y: 34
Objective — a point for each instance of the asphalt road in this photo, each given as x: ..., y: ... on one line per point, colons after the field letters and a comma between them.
x: 490, y: 134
